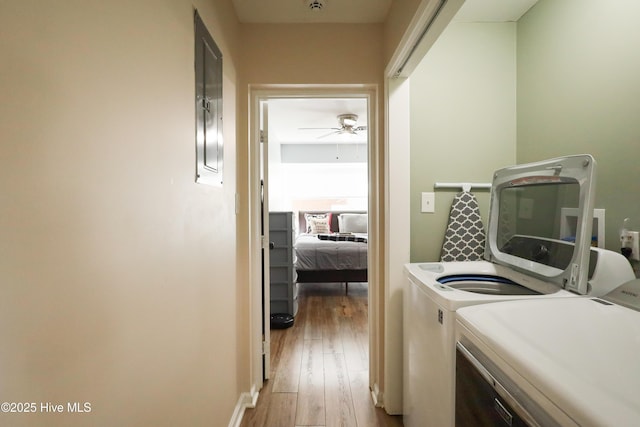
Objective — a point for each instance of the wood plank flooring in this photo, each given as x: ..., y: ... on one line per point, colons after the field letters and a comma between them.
x: 319, y: 367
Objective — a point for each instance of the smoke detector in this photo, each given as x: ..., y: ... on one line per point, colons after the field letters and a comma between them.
x: 315, y: 4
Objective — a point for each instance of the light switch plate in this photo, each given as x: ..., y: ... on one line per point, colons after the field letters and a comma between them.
x: 428, y: 202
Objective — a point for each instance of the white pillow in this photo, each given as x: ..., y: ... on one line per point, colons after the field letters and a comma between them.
x: 352, y: 223
x: 318, y: 223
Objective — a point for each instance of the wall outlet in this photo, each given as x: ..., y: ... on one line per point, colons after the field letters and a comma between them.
x: 634, y: 244
x: 428, y: 202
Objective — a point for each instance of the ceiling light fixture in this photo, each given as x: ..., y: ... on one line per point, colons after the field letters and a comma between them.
x: 348, y: 120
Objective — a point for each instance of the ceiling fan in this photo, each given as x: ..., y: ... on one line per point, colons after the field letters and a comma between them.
x: 348, y: 124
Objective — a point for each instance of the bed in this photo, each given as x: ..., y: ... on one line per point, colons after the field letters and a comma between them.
x: 331, y: 247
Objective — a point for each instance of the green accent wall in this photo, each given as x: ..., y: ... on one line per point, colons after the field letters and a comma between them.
x: 463, y: 122
x: 564, y: 79
x: 579, y: 92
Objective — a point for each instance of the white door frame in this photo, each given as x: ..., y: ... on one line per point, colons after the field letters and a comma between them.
x: 265, y: 239
x: 257, y: 93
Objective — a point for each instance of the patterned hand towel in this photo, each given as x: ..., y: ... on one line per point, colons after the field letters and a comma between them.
x: 464, y: 239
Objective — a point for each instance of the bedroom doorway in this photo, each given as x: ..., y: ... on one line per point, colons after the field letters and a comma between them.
x: 315, y: 184
x: 300, y: 156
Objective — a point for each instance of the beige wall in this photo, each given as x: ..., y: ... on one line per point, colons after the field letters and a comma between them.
x: 316, y: 55
x: 312, y: 53
x: 579, y: 92
x: 398, y: 19
x: 463, y: 122
x: 120, y: 285
x: 117, y: 270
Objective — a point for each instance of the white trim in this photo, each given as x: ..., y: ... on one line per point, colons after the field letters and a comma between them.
x: 246, y: 400
x: 376, y: 396
x: 398, y: 234
x: 416, y: 42
x: 375, y: 170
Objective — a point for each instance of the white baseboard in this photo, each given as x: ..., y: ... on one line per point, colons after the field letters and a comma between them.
x: 376, y: 395
x: 246, y: 400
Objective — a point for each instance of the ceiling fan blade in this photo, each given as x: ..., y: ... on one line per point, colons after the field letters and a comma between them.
x: 338, y: 131
x: 318, y: 129
x: 359, y: 128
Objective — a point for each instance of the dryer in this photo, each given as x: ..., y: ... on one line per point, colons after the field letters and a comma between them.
x: 525, y: 258
x: 553, y: 362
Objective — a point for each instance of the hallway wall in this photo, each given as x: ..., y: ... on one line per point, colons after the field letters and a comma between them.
x: 117, y: 270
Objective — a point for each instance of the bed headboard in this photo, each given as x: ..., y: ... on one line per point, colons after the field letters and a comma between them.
x: 302, y: 223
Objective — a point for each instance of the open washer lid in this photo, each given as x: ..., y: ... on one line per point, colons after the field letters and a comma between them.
x: 525, y: 218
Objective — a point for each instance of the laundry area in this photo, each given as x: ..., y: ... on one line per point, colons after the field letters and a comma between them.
x: 520, y: 303
x: 526, y: 258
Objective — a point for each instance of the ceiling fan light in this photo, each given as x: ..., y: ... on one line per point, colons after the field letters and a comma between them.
x: 348, y: 120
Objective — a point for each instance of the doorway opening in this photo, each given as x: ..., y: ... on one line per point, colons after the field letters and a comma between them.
x: 311, y: 166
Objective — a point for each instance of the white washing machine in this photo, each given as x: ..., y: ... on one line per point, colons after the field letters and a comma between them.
x: 526, y: 258
x: 551, y: 362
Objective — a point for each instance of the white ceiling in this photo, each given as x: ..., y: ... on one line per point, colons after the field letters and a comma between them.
x: 286, y: 116
x: 290, y: 120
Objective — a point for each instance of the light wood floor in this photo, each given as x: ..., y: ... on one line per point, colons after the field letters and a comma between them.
x: 319, y: 367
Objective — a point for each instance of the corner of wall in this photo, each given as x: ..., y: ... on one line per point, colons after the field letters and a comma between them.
x: 247, y: 400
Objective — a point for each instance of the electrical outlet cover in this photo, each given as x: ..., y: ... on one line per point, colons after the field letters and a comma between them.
x: 635, y: 245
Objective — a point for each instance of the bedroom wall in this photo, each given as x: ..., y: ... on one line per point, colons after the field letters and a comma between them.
x: 579, y: 92
x: 463, y: 122
x: 117, y: 270
x: 305, y: 186
x: 326, y: 177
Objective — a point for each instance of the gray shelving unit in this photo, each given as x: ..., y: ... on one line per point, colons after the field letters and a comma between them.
x: 284, y: 291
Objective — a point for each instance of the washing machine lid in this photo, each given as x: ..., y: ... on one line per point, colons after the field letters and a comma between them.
x: 540, y: 219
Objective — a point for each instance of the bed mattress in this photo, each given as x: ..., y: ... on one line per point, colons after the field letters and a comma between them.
x: 315, y: 253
